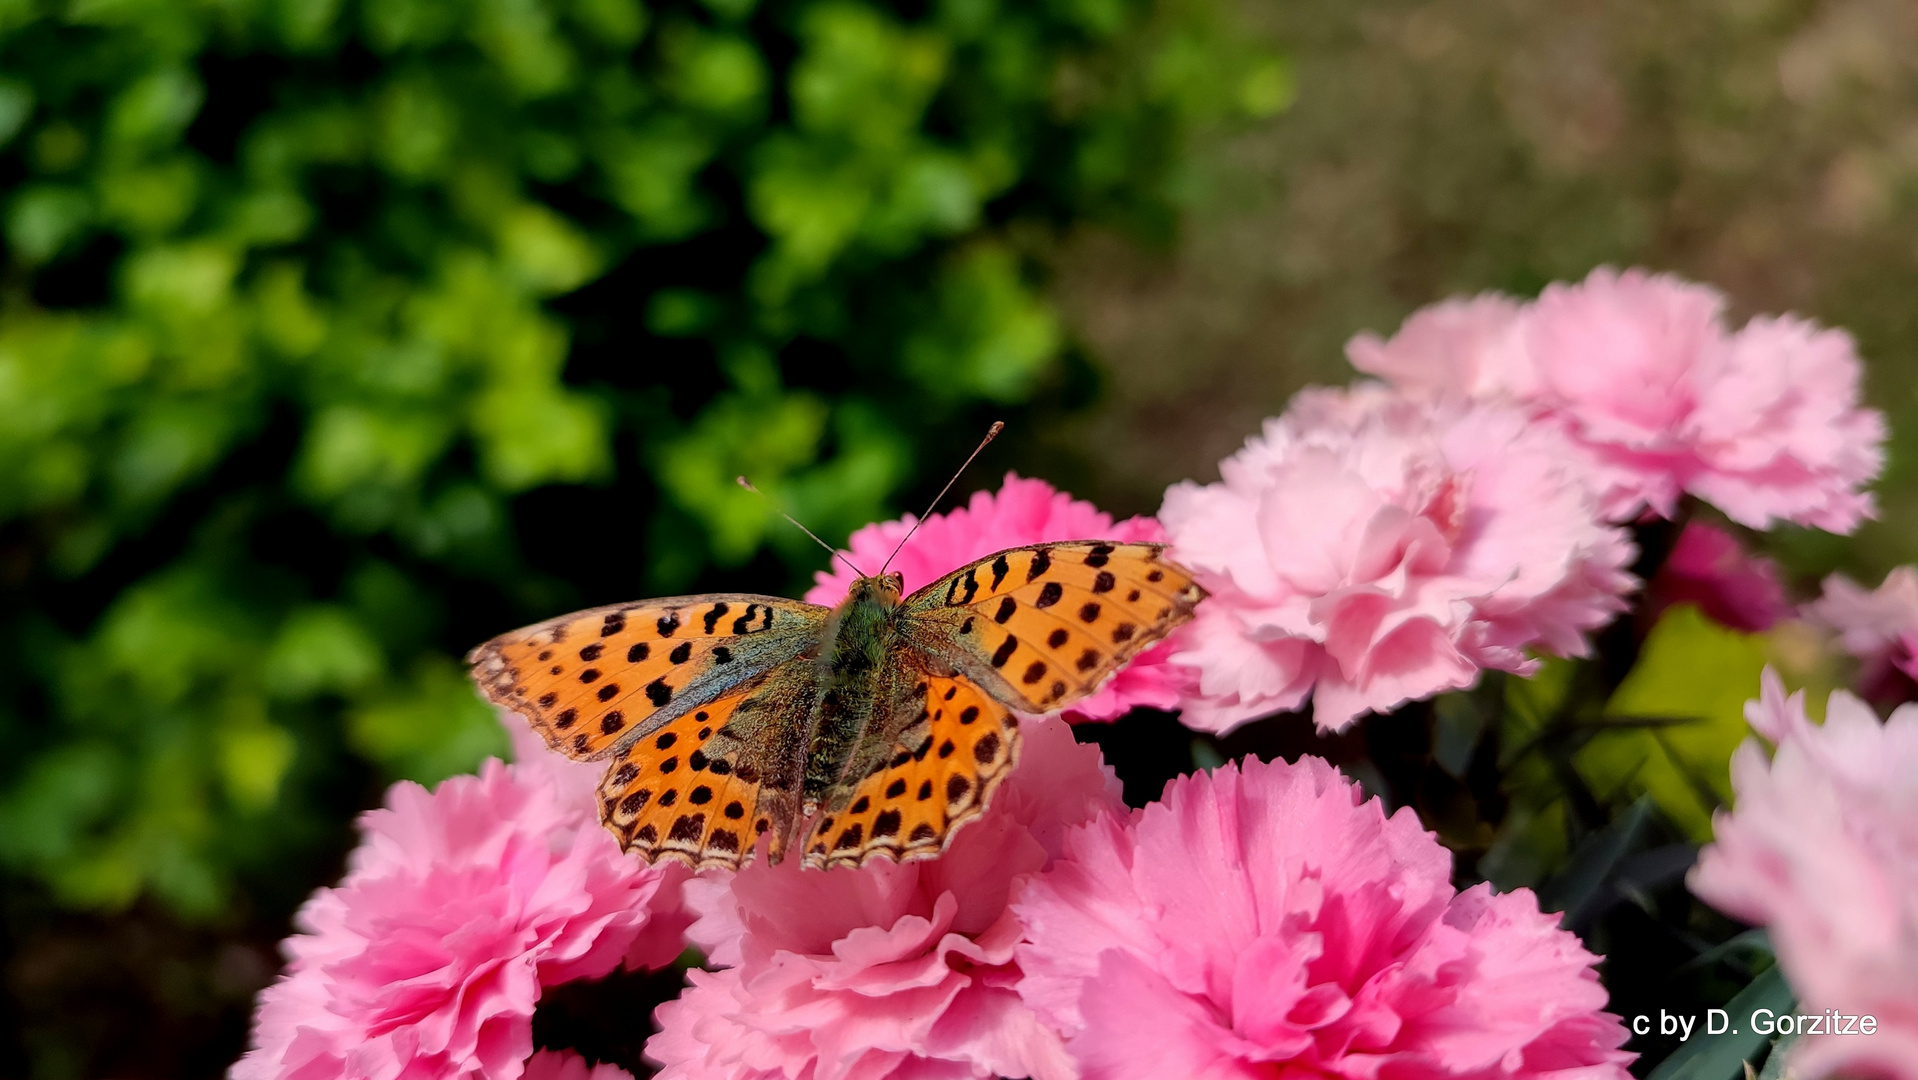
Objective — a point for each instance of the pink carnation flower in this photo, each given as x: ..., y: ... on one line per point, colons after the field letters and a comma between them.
x: 1822, y: 848
x: 890, y: 970
x: 566, y: 1065
x: 1369, y: 550
x: 1022, y: 512
x: 1460, y: 347
x: 1878, y: 626
x: 457, y: 908
x: 1764, y: 423
x: 1268, y: 920
x: 1708, y: 567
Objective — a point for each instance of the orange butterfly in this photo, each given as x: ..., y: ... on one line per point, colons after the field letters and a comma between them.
x: 886, y: 722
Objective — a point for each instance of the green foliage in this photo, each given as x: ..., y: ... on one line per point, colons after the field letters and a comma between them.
x: 336, y: 336
x: 1689, y: 688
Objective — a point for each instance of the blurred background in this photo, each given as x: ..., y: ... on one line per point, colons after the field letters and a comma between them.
x: 339, y: 335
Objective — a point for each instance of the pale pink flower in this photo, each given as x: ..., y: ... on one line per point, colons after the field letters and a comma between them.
x: 566, y: 1065
x: 1765, y: 423
x: 1878, y: 626
x: 1821, y: 847
x: 887, y: 971
x: 1708, y: 567
x: 1460, y: 347
x: 457, y: 908
x: 1268, y: 920
x: 1022, y: 512
x: 1370, y: 549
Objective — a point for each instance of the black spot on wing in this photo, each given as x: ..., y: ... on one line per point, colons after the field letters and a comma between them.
x: 1099, y: 555
x: 1007, y: 606
x: 1041, y: 562
x: 668, y: 624
x: 1004, y: 652
x: 1001, y: 566
x: 1049, y: 595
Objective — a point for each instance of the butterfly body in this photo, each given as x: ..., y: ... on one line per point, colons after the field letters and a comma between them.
x: 876, y: 727
x: 862, y: 634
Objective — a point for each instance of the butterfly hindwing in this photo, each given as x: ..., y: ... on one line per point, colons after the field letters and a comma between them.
x: 955, y: 745
x: 590, y: 681
x: 703, y: 787
x: 1043, y: 626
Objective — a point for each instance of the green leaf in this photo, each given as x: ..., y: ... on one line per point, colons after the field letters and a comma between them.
x: 428, y: 727
x: 1723, y: 1056
x: 1699, y: 674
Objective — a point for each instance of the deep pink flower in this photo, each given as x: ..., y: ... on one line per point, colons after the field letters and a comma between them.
x: 887, y: 971
x: 458, y: 907
x: 1878, y: 626
x: 1021, y: 512
x: 1268, y: 920
x: 1764, y: 423
x: 1708, y: 567
x: 566, y: 1065
x: 1370, y: 549
x: 1821, y: 847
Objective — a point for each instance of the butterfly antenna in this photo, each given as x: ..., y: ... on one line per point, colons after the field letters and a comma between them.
x: 991, y: 434
x: 748, y: 485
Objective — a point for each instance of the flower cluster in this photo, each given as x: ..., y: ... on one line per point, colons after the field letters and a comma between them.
x: 1373, y: 545
x: 1822, y: 848
x: 1269, y: 914
x: 1642, y: 373
x: 1370, y: 549
x: 459, y: 906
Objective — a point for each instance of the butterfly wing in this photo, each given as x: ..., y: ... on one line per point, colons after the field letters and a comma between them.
x: 950, y: 745
x: 1041, y: 627
x: 593, y: 681
x: 702, y: 787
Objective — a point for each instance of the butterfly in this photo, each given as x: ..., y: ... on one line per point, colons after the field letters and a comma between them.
x: 880, y: 726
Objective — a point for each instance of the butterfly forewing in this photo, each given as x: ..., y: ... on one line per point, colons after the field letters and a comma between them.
x: 703, y: 787
x: 958, y: 745
x: 1041, y: 627
x: 589, y: 681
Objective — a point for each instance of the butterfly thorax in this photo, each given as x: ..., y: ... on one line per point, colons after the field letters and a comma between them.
x: 858, y: 641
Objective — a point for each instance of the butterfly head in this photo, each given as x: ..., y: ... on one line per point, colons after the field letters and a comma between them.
x: 882, y: 589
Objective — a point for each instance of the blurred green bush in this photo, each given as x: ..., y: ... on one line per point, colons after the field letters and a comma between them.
x: 335, y: 336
